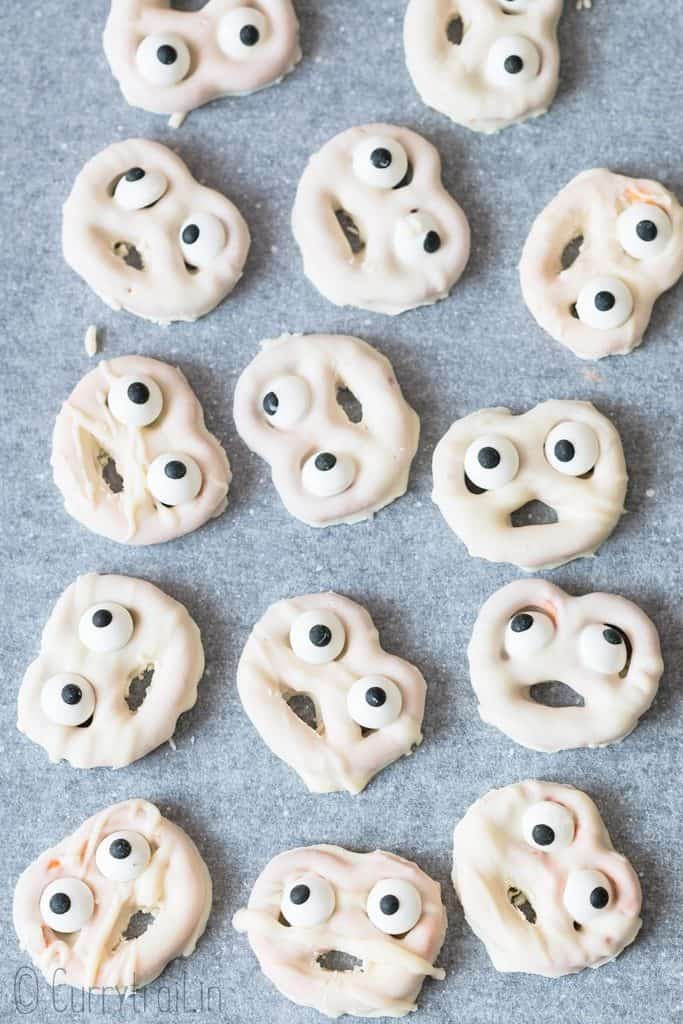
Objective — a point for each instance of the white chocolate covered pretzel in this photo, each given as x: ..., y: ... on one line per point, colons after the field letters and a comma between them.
x: 565, y: 454
x: 602, y: 646
x: 540, y: 882
x: 169, y: 474
x: 628, y: 233
x: 75, y: 906
x: 368, y: 703
x: 375, y: 225
x: 326, y: 468
x: 171, y: 61
x: 313, y: 903
x: 502, y: 66
x: 148, y: 238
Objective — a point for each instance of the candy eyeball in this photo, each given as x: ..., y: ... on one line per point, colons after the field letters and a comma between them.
x: 374, y: 702
x: 325, y: 474
x: 174, y: 478
x: 317, y: 637
x: 123, y: 856
x: 286, y: 401
x: 66, y: 905
x: 603, y: 649
x: 491, y: 462
x: 415, y: 236
x: 241, y: 31
x: 394, y: 906
x: 163, y: 59
x: 380, y: 161
x: 202, y: 238
x: 512, y: 60
x: 548, y: 826
x: 137, y: 189
x: 586, y: 893
x: 604, y: 303
x: 308, y: 901
x: 572, y: 448
x: 67, y: 699
x: 644, y: 230
x: 527, y: 633
x: 135, y: 401
x: 105, y: 627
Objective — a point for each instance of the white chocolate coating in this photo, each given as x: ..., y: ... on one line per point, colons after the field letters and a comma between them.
x: 590, y: 207
x: 393, y: 969
x: 468, y: 81
x: 493, y: 861
x: 336, y: 755
x: 86, y: 432
x: 613, y: 701
x: 588, y: 509
x: 175, y: 888
x: 307, y: 372
x: 379, y: 277
x: 98, y: 231
x: 164, y: 638
x: 213, y: 71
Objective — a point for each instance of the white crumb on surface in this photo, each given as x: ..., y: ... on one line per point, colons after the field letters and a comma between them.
x: 176, y: 120
x: 584, y: 5
x: 172, y: 744
x: 650, y: 492
x: 90, y: 340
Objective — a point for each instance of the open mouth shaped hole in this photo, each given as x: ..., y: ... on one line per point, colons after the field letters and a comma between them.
x: 350, y: 404
x: 455, y: 30
x: 131, y: 256
x: 304, y: 708
x: 571, y: 252
x: 534, y: 513
x: 137, y: 925
x: 351, y: 231
x: 110, y: 473
x: 138, y: 687
x: 520, y: 901
x: 554, y: 694
x: 335, y: 960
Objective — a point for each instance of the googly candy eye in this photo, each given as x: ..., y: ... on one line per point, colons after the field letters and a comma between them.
x: 286, y: 401
x: 587, y: 893
x: 604, y: 303
x: 138, y: 188
x: 527, y: 633
x: 380, y: 161
x: 374, y: 702
x: 241, y: 31
x: 394, y: 906
x: 174, y: 478
x: 416, y: 236
x: 123, y: 856
x: 105, y: 627
x: 572, y: 448
x: 512, y: 60
x: 66, y: 905
x: 603, y: 648
x: 491, y: 462
x: 67, y: 699
x: 317, y: 637
x: 163, y: 59
x: 308, y: 901
x: 326, y: 474
x: 202, y: 238
x: 644, y: 230
x: 548, y: 826
x: 135, y: 401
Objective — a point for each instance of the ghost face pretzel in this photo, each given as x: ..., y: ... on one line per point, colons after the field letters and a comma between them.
x: 504, y: 69
x: 630, y: 233
x: 171, y: 474
x: 150, y: 239
x: 375, y: 226
x: 602, y: 646
x: 80, y: 698
x: 564, y: 454
x: 326, y: 468
x: 376, y: 907
x: 368, y: 704
x: 170, y: 61
x: 540, y: 882
x: 73, y: 905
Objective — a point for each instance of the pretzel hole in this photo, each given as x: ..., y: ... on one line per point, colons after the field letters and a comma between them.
x: 533, y: 513
x: 187, y: 5
x: 571, y: 251
x: 406, y: 179
x: 350, y: 404
x: 110, y: 473
x: 335, y: 960
x: 131, y: 256
x: 629, y: 649
x: 555, y: 694
x: 473, y: 488
x: 574, y: 311
x: 138, y: 687
x: 520, y: 901
x: 351, y: 231
x: 304, y: 708
x: 455, y: 30
x: 138, y: 923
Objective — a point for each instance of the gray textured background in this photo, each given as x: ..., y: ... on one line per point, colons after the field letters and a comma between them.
x: 619, y: 104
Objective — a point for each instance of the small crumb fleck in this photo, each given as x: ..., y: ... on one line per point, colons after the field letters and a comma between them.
x: 650, y: 492
x: 584, y: 5
x: 273, y: 249
x: 91, y: 340
x: 172, y: 744
x: 176, y: 120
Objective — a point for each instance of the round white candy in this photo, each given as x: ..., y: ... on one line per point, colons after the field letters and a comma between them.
x: 604, y: 303
x: 603, y: 649
x: 572, y: 448
x: 241, y: 31
x: 123, y: 856
x: 527, y: 633
x: 286, y: 400
x: 491, y: 462
x: 137, y: 188
x: 326, y: 474
x: 135, y: 401
x: 374, y: 701
x: 67, y: 699
x: 587, y: 893
x: 317, y: 637
x: 548, y: 826
x: 202, y: 238
x: 307, y: 901
x: 380, y: 161
x: 163, y: 58
x: 644, y: 230
x: 512, y: 60
x: 174, y: 478
x: 416, y: 237
x: 394, y: 906
x: 105, y: 627
x: 66, y: 904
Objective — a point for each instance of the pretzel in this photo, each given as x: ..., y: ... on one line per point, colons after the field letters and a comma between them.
x: 170, y: 474
x: 602, y: 646
x: 540, y: 882
x: 630, y: 233
x: 150, y: 239
x: 375, y: 225
x: 171, y: 61
x: 311, y: 904
x: 564, y: 454
x: 368, y: 703
x: 326, y: 468
x: 76, y: 905
x: 501, y: 70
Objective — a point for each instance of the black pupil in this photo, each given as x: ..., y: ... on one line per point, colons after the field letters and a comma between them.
x: 71, y: 694
x: 299, y: 894
x: 522, y: 622
x: 564, y: 450
x: 488, y: 458
x: 325, y: 461
x: 543, y: 835
x: 249, y: 35
x: 190, y: 234
x: 102, y: 618
x: 599, y: 897
x: 120, y: 849
x: 320, y: 635
x: 432, y: 242
x: 604, y: 301
x: 380, y: 158
x: 138, y: 393
x: 167, y: 54
x: 375, y: 697
x: 60, y: 903
x: 134, y: 174
x: 646, y: 230
x: 175, y: 470
x: 513, y: 64
x: 612, y: 635
x: 271, y: 403
x: 389, y: 905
